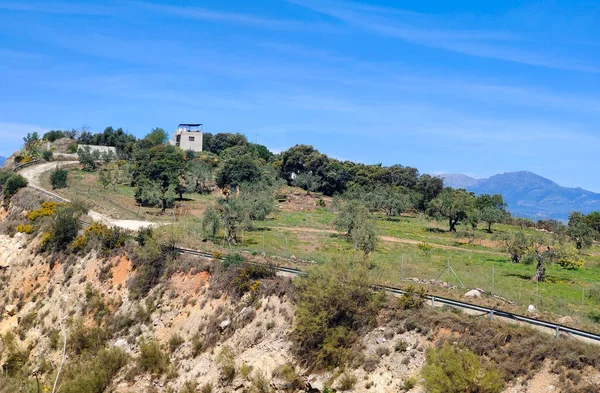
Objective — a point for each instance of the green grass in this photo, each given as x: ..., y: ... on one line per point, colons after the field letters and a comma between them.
x: 560, y: 294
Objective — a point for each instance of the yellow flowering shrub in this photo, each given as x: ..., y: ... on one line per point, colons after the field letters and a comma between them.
x: 47, y: 209
x: 25, y: 228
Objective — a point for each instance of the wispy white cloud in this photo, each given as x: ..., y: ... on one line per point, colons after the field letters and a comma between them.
x: 50, y: 7
x: 418, y: 29
x: 206, y: 14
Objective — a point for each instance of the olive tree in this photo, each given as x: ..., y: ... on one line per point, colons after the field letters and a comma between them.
x: 454, y: 205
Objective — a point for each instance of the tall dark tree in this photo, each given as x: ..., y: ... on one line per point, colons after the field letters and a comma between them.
x: 428, y: 188
x: 158, y: 168
x: 301, y: 159
x: 238, y: 170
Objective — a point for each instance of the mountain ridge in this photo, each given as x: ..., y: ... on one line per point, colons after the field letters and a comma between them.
x: 530, y: 195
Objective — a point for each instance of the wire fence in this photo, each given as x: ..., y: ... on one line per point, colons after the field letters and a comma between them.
x: 504, y: 285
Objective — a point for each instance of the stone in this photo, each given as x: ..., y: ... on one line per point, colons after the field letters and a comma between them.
x: 225, y: 324
x: 293, y: 258
x: 565, y: 320
x: 473, y: 293
x: 531, y: 309
x: 10, y: 309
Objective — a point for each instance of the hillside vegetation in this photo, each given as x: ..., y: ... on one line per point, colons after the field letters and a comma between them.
x: 171, y: 323
x: 290, y: 205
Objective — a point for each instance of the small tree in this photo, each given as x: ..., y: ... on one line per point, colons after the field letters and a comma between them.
x: 352, y: 214
x: 58, y: 178
x: 308, y: 182
x: 491, y: 208
x: 152, y: 193
x: 364, y: 237
x: 211, y: 221
x: 579, y: 231
x: 197, y: 176
x: 88, y: 158
x: 64, y: 229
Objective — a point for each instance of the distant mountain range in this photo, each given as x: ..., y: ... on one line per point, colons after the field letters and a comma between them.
x: 530, y: 195
x: 2, y: 160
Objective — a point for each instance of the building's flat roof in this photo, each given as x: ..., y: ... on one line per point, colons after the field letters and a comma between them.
x: 190, y: 125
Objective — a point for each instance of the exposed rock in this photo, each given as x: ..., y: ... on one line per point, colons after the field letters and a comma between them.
x: 565, y: 320
x: 225, y: 324
x: 474, y: 293
x: 531, y: 309
x: 10, y: 309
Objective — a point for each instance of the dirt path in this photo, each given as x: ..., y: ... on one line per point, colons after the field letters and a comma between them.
x: 389, y: 239
x: 34, y: 173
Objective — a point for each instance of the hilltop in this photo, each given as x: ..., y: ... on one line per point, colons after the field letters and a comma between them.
x: 530, y: 195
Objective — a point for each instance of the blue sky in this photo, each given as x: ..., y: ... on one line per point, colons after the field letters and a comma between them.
x: 474, y: 87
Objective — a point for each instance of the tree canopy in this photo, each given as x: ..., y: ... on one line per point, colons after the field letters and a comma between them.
x: 452, y: 204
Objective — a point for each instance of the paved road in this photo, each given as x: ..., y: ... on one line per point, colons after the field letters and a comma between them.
x: 34, y: 173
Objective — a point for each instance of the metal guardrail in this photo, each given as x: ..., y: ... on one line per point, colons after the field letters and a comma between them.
x: 27, y: 164
x: 557, y: 328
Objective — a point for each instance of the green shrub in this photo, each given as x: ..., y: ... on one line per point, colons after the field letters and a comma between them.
x: 197, y: 345
x: 232, y: 260
x: 243, y: 279
x: 94, y: 374
x: 64, y: 229
x: 226, y: 362
x: 454, y: 370
x: 175, y: 342
x: 260, y: 384
x: 206, y: 388
x: 287, y: 373
x: 409, y: 384
x: 401, y: 346
x: 72, y: 148
x: 346, y: 382
x: 58, y: 178
x: 86, y: 340
x: 334, y: 303
x: 152, y: 359
x: 412, y: 298
x: 189, y: 387
x: 12, y: 183
x: 47, y: 155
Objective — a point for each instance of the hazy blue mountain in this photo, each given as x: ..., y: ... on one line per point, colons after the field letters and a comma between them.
x: 2, y: 159
x: 530, y: 195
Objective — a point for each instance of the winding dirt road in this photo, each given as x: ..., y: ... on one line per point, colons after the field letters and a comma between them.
x: 34, y: 173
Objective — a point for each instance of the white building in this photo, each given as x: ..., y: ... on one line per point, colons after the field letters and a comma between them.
x: 100, y: 149
x: 188, y: 137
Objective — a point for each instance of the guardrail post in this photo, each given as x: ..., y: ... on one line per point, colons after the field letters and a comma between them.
x: 433, y: 301
x: 557, y: 331
x: 491, y: 315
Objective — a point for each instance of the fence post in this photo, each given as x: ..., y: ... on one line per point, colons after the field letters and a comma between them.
x: 402, y: 269
x: 493, y: 278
